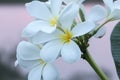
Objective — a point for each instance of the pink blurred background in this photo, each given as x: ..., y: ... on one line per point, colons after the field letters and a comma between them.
x: 13, y: 18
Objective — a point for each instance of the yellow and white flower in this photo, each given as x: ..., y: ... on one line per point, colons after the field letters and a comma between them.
x: 28, y: 56
x: 47, y: 17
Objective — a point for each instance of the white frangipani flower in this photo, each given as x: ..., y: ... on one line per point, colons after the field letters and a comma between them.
x: 113, y: 8
x: 47, y: 17
x: 28, y: 56
x: 61, y: 41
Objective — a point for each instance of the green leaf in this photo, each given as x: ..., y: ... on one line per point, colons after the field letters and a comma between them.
x: 115, y: 45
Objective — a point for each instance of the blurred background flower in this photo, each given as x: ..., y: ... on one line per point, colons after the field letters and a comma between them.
x: 14, y: 17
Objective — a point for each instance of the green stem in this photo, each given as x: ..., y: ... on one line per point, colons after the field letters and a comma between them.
x: 97, y: 69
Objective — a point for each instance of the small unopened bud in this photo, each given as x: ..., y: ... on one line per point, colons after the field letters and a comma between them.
x: 16, y: 63
x: 100, y: 33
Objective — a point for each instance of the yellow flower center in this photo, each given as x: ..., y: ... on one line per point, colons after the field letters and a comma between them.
x: 41, y: 61
x: 66, y: 37
x: 54, y: 21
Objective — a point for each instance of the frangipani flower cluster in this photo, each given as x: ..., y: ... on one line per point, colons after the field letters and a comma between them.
x: 59, y: 30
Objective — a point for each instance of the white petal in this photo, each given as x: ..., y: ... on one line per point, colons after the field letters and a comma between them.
x: 31, y: 29
x: 36, y: 73
x: 97, y: 13
x: 56, y: 6
x: 51, y: 50
x: 70, y: 52
x: 36, y: 26
x: 83, y: 28
x: 115, y: 14
x: 42, y: 37
x: 28, y: 51
x: 39, y: 10
x: 29, y: 64
x: 108, y: 3
x: 68, y: 15
x: 50, y: 72
x: 100, y: 33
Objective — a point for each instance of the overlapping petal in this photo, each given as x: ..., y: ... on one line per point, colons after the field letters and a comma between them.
x: 56, y: 6
x: 97, y: 13
x: 115, y: 15
x: 36, y: 73
x: 27, y: 51
x: 42, y: 37
x: 68, y: 15
x: 36, y: 26
x: 39, y: 10
x: 83, y: 28
x: 29, y: 64
x: 50, y: 72
x: 51, y: 50
x: 109, y: 4
x: 70, y: 52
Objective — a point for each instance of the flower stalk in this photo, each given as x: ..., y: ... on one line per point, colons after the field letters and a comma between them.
x: 93, y: 64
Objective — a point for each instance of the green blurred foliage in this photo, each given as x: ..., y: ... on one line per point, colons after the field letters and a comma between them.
x: 115, y: 46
